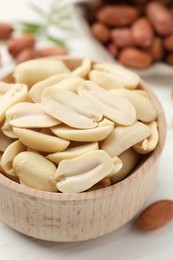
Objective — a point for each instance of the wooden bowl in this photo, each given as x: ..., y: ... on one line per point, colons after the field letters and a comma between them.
x: 76, y: 217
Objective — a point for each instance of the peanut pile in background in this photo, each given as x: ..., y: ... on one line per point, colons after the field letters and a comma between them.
x: 23, y: 47
x: 137, y: 33
x: 72, y: 131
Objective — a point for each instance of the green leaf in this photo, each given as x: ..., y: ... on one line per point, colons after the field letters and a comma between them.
x: 56, y: 41
x: 28, y: 27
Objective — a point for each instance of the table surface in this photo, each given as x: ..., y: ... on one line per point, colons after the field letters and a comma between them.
x: 127, y: 243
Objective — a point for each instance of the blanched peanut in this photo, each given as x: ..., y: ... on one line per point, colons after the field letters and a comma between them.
x: 150, y: 143
x: 35, y: 171
x: 1, y: 169
x: 7, y: 129
x: 71, y: 83
x: 81, y: 173
x: 145, y: 111
x: 106, y: 182
x: 9, y: 154
x: 4, y: 87
x: 104, y: 79
x: 115, y: 108
x: 83, y: 70
x: 117, y: 165
x: 37, y: 89
x: 12, y: 177
x: 15, y: 94
x: 141, y: 92
x: 5, y: 141
x: 96, y: 134
x: 123, y: 137
x: 32, y: 71
x: 72, y: 152
x: 129, y: 159
x: 29, y: 115
x: 71, y: 109
x: 39, y: 141
x: 125, y: 77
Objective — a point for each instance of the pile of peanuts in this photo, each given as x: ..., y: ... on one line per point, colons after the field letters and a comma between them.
x: 69, y: 131
x: 22, y: 48
x: 137, y: 34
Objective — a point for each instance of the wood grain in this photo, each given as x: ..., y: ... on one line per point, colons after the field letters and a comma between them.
x: 77, y: 217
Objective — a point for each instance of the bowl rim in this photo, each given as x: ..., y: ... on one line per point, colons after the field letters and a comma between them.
x: 39, y: 194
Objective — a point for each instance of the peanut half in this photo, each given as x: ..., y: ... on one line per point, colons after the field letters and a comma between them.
x: 35, y: 171
x: 115, y: 108
x: 96, y: 134
x: 150, y: 143
x: 32, y: 71
x: 4, y: 87
x: 71, y: 83
x: 83, y: 70
x: 37, y: 89
x: 105, y: 80
x: 71, y: 109
x: 15, y: 94
x: 9, y: 154
x: 7, y: 129
x: 72, y: 151
x: 5, y: 141
x: 125, y: 77
x: 129, y: 159
x: 123, y: 137
x: 39, y: 141
x: 29, y: 115
x: 81, y: 173
x: 145, y: 111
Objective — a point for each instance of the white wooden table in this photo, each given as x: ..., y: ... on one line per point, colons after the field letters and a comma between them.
x: 127, y: 243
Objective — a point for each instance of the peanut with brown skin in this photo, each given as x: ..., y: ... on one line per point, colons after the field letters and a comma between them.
x: 122, y: 37
x: 112, y: 48
x: 26, y: 54
x: 119, y: 15
x: 159, y: 17
x: 156, y: 215
x: 142, y: 33
x: 168, y: 43
x: 135, y: 58
x: 101, y: 32
x: 51, y: 51
x: 16, y: 45
x: 92, y: 14
x: 169, y: 59
x: 156, y: 49
x: 6, y: 31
